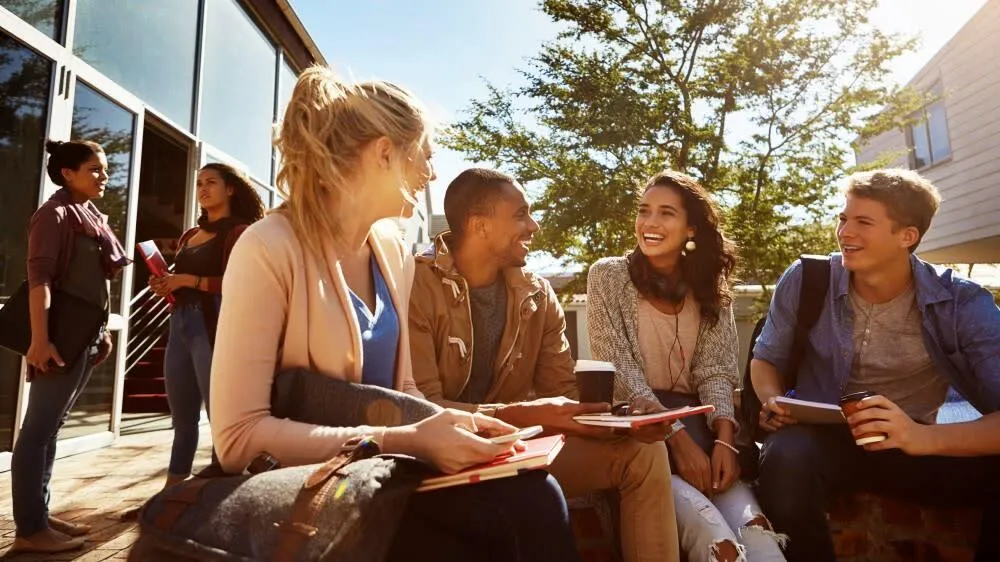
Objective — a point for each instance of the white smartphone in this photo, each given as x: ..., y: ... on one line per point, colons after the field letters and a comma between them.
x: 523, y: 433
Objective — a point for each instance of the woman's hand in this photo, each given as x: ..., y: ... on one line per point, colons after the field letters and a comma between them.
x: 651, y: 433
x: 725, y: 468
x: 103, y: 349
x: 692, y: 463
x: 170, y: 282
x: 448, y: 440
x: 40, y: 353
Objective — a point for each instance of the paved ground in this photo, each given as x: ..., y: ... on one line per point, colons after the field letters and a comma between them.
x: 96, y: 487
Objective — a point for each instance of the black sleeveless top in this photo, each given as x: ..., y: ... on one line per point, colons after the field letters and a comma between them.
x: 204, y: 260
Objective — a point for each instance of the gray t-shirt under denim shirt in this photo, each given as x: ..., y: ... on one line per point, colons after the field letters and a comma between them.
x: 890, y: 357
x: 489, y: 316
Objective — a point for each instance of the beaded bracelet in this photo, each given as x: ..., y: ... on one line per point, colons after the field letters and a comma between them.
x: 727, y: 445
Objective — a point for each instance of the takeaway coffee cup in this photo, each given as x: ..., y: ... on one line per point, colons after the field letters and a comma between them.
x: 595, y: 380
x: 849, y: 404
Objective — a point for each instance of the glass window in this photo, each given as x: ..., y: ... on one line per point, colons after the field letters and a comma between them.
x: 937, y: 130
x: 101, y: 120
x: 238, y: 81
x: 921, y: 147
x: 44, y: 15
x: 147, y: 47
x: 25, y: 83
x: 288, y: 79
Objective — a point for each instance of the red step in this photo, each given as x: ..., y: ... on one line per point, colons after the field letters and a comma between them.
x: 145, y: 404
x: 145, y: 385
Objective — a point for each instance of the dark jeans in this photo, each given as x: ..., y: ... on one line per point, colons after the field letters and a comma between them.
x: 521, y: 519
x: 803, y: 466
x: 50, y: 399
x: 187, y: 367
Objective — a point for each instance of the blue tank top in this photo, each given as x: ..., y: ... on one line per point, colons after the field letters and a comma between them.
x: 379, y: 333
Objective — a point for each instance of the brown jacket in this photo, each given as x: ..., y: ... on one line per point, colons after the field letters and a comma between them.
x: 533, y: 359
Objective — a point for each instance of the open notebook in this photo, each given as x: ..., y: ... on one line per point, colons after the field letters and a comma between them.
x: 632, y: 422
x: 539, y: 453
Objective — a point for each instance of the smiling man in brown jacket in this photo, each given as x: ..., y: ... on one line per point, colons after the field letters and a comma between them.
x: 488, y: 336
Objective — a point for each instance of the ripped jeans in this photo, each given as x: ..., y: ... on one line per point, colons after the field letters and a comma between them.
x: 702, y: 524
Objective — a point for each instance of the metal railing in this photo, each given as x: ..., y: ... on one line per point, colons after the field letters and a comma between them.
x: 148, y: 325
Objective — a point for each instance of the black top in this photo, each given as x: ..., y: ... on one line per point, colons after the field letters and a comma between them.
x: 204, y: 260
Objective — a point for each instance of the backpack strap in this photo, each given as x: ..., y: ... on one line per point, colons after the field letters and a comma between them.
x: 812, y: 298
x: 317, y: 489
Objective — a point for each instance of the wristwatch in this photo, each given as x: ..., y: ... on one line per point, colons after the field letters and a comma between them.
x: 674, y: 428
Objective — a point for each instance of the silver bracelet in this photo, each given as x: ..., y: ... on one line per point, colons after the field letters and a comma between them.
x: 727, y: 445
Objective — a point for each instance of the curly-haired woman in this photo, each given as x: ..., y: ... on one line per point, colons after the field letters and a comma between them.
x: 663, y: 315
x: 229, y: 204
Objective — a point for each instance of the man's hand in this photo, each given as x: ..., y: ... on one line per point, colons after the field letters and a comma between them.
x: 692, y: 463
x: 878, y: 414
x: 555, y: 415
x: 773, y: 416
x: 652, y: 433
x: 103, y: 349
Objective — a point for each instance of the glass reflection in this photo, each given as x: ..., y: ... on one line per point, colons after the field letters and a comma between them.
x: 99, y: 119
x: 25, y: 83
x: 158, y: 64
x: 44, y: 15
x: 237, y: 89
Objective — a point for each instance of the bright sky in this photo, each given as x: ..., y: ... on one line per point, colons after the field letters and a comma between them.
x: 444, y: 49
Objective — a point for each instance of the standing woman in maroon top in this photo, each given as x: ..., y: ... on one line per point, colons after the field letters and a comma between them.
x: 228, y: 205
x: 70, y: 248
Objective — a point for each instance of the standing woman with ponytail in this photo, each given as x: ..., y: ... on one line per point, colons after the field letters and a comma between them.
x: 229, y: 204
x: 70, y: 248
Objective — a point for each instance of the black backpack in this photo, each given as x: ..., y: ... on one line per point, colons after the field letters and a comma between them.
x: 812, y: 296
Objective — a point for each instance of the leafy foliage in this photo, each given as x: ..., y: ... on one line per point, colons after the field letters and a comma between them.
x: 759, y: 99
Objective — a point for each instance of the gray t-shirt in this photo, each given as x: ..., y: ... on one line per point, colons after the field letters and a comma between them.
x: 890, y: 357
x: 85, y: 277
x: 489, y: 316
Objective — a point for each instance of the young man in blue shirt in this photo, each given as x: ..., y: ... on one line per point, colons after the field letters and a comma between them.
x: 896, y: 326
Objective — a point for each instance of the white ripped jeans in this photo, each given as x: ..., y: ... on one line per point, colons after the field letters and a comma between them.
x: 703, y: 523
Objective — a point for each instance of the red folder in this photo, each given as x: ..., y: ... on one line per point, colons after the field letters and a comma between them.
x: 154, y: 261
x: 539, y: 453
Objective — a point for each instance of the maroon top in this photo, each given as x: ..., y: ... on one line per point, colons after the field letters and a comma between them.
x: 50, y: 238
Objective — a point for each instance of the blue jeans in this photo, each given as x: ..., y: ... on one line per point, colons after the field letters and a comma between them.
x: 802, y: 466
x: 518, y: 519
x: 51, y: 397
x: 187, y: 367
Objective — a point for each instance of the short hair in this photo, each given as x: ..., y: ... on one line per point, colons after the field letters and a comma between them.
x: 473, y: 193
x: 909, y: 198
x: 68, y: 154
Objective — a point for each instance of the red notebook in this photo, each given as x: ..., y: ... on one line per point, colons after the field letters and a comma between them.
x: 539, y: 453
x: 154, y: 261
x: 609, y: 420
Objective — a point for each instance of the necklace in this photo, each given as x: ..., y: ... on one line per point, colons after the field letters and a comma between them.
x: 675, y: 344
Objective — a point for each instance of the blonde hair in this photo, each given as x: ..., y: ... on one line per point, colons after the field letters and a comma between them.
x: 909, y: 198
x: 326, y: 126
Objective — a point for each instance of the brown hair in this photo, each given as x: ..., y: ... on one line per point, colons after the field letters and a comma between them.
x: 705, y: 270
x: 244, y: 203
x: 909, y: 198
x: 68, y: 154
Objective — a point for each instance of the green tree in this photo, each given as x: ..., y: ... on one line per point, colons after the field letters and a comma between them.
x: 759, y: 99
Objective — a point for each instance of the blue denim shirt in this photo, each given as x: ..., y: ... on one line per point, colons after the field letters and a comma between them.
x: 961, y: 328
